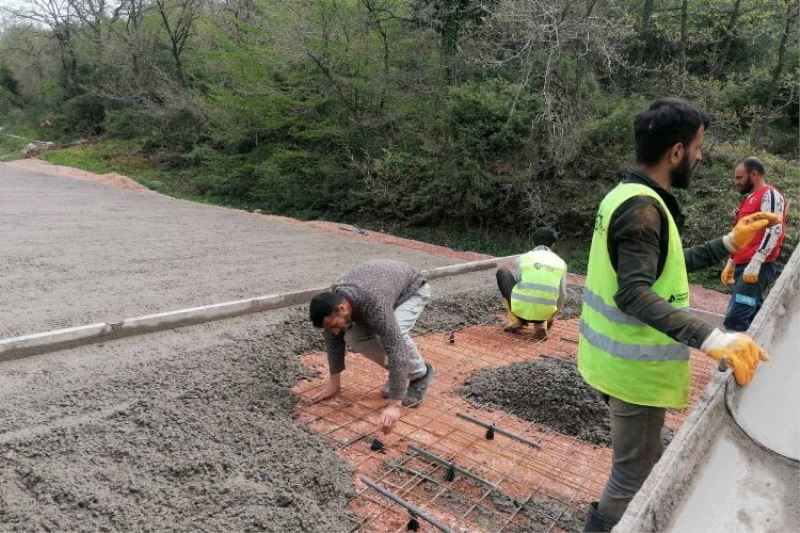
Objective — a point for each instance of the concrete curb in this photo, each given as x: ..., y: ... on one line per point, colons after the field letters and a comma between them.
x: 50, y: 341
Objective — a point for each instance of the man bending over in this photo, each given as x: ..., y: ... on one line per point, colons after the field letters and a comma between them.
x: 372, y: 308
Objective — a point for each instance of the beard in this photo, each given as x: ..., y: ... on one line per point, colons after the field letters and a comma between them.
x: 348, y: 320
x: 747, y: 187
x: 681, y: 173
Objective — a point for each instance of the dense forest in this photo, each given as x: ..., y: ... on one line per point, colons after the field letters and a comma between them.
x: 464, y: 122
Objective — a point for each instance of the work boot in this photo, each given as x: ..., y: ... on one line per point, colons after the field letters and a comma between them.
x: 385, y: 390
x: 418, y: 387
x: 540, y: 331
x: 513, y: 323
x: 596, y: 522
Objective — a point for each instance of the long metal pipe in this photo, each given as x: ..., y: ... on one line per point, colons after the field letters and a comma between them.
x: 499, y: 430
x: 413, y: 509
x: 51, y: 341
x: 444, y: 462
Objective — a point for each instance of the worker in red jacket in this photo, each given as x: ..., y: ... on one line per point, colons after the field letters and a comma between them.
x: 752, y: 269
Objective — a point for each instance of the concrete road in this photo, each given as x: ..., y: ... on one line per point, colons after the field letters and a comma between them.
x: 182, y: 430
x: 76, y: 252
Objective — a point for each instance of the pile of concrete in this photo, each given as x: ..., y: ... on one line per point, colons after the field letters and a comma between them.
x: 547, y: 391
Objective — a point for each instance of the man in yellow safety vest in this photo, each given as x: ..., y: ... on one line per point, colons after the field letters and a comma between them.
x: 636, y: 327
x: 536, y: 291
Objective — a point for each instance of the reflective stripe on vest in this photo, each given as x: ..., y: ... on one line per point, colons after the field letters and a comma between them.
x: 612, y: 313
x: 636, y: 352
x: 535, y: 297
x: 617, y: 353
x: 538, y: 287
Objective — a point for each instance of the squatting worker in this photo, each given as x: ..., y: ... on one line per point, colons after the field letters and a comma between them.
x: 636, y: 327
x: 752, y: 269
x: 372, y: 308
x: 536, y: 291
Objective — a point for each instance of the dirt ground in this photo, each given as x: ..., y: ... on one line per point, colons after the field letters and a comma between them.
x: 547, y: 391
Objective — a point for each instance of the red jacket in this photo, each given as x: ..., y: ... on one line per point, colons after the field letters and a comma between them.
x: 770, y: 199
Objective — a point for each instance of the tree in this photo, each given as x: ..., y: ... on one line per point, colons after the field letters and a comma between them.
x: 178, y: 18
x: 450, y: 18
x: 58, y: 17
x: 8, y: 81
x: 788, y: 30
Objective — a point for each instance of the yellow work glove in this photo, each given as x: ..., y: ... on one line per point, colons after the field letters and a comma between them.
x: 727, y: 273
x: 742, y: 353
x: 753, y: 268
x: 745, y: 230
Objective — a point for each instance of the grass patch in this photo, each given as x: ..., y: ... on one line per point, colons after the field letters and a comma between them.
x: 127, y: 158
x: 12, y: 141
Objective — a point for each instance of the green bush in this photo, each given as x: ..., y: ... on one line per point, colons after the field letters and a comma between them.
x: 607, y: 140
x: 129, y: 123
x: 302, y: 183
x: 491, y: 116
x: 179, y: 128
x: 7, y: 101
x: 84, y: 114
x: 7, y: 80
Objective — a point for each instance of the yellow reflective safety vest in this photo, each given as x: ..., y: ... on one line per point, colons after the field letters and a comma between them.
x: 618, y: 354
x: 535, y: 297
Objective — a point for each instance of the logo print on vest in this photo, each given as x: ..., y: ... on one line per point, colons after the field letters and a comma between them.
x: 678, y: 298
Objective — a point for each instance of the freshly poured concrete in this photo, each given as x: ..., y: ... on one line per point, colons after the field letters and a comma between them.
x: 740, y: 487
x: 768, y: 408
x: 733, y: 465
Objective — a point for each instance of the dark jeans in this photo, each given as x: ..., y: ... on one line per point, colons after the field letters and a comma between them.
x: 506, y: 283
x: 747, y: 298
x: 636, y: 446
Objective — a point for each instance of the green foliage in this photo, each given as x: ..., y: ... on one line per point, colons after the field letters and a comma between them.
x: 130, y: 123
x: 84, y: 114
x: 301, y: 183
x: 7, y: 102
x: 607, y: 139
x: 7, y: 81
x: 468, y: 123
x: 12, y: 141
x: 176, y: 127
x: 491, y: 117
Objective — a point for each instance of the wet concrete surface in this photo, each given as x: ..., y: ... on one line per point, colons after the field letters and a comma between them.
x: 181, y: 430
x: 188, y: 429
x: 740, y: 487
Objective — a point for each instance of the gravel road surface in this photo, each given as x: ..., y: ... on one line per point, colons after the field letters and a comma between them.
x: 76, y: 252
